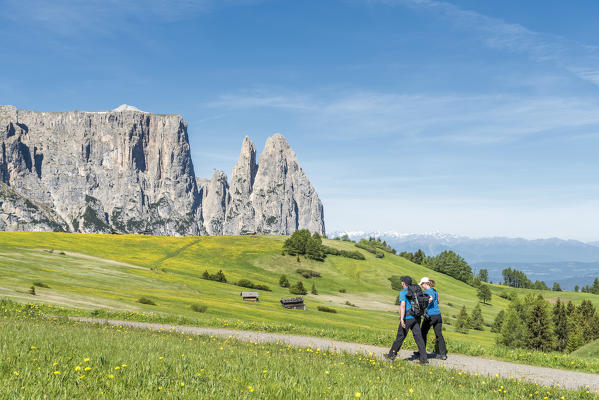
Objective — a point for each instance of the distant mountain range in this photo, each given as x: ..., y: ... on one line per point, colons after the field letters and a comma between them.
x: 568, y: 262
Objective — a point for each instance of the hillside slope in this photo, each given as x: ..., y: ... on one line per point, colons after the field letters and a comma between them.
x: 112, y: 272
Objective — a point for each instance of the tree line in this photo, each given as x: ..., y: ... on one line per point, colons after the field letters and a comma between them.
x: 532, y: 322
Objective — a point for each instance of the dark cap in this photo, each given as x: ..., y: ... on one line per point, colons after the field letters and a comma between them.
x: 406, y: 279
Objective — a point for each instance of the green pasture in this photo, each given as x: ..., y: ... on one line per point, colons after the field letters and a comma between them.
x: 54, y: 358
x: 107, y: 274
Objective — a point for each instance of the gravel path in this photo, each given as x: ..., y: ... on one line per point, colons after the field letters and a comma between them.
x: 473, y: 365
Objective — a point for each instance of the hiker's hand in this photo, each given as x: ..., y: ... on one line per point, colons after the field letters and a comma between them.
x: 403, y: 324
x: 430, y: 299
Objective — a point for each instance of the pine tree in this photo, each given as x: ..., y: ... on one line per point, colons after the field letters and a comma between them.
x: 32, y: 290
x: 314, y: 291
x: 484, y: 293
x: 476, y: 319
x: 570, y: 308
x: 298, y: 288
x: 496, y: 327
x: 539, y: 327
x: 576, y: 338
x: 560, y: 325
x: 220, y: 276
x: 576, y: 288
x: 461, y: 325
x: 556, y: 287
x: 283, y: 282
x: 513, y: 332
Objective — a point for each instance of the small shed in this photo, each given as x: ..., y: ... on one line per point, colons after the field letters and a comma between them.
x: 249, y: 296
x: 296, y: 303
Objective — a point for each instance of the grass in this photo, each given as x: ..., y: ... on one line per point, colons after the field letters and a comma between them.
x: 107, y: 274
x: 95, y: 361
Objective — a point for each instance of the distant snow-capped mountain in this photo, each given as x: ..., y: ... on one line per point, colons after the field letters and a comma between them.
x: 553, y: 259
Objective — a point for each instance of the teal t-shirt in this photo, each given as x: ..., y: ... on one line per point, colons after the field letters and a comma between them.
x: 433, y: 306
x: 403, y: 296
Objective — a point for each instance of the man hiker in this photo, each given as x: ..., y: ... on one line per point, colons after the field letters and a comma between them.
x: 408, y: 321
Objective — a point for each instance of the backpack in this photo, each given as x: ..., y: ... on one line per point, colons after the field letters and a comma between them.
x: 418, y: 300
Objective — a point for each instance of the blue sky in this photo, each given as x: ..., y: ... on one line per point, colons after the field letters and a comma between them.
x: 472, y: 117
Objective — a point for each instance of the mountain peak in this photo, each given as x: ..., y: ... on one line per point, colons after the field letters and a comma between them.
x: 126, y: 107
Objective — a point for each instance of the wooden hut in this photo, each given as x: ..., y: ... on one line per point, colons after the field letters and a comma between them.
x: 296, y: 303
x: 249, y: 296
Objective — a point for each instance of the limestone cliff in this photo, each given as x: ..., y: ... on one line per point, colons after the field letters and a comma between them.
x: 128, y: 171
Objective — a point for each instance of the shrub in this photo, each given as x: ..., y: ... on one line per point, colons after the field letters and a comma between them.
x: 41, y: 284
x: 249, y: 284
x: 327, y: 309
x: 342, y: 291
x: 347, y: 303
x: 199, y: 307
x: 32, y: 290
x: 356, y: 255
x: 218, y: 277
x: 314, y: 291
x: 308, y: 273
x: 449, y: 304
x: 145, y: 300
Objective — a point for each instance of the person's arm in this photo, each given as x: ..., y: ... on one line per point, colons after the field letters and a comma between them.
x: 403, y: 314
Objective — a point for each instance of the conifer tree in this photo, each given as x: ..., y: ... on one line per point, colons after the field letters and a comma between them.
x: 476, y: 319
x: 283, y: 282
x: 513, y: 332
x: 576, y: 338
x: 496, y: 327
x: 298, y: 288
x: 314, y: 291
x: 462, y: 324
x: 560, y: 325
x: 539, y: 327
x: 570, y: 308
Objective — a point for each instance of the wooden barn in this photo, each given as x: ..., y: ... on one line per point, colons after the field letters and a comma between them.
x: 249, y: 296
x: 296, y: 303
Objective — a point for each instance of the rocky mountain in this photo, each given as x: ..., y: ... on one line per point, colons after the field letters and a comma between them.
x: 128, y: 171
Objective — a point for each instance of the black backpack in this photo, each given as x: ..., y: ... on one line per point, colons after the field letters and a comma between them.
x: 418, y: 300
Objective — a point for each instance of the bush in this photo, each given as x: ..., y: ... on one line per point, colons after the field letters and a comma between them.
x: 41, y: 284
x: 356, y: 255
x: 342, y: 291
x: 249, y: 284
x: 145, y: 300
x: 327, y: 309
x: 218, y: 277
x: 32, y: 290
x: 347, y: 303
x: 199, y: 307
x: 308, y: 273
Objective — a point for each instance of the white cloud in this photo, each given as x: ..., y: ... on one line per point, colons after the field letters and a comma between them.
x: 473, y: 119
x: 580, y: 59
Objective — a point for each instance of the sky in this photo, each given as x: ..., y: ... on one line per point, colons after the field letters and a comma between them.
x: 470, y: 117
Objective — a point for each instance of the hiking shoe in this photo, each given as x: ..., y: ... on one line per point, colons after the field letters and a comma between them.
x: 443, y: 357
x: 388, y: 356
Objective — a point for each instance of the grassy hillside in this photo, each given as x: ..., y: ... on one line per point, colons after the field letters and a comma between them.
x: 95, y: 361
x: 111, y: 272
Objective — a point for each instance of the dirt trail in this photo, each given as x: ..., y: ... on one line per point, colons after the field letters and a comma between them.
x: 481, y: 366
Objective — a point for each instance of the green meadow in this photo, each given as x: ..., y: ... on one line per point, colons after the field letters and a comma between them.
x: 56, y: 358
x: 106, y: 275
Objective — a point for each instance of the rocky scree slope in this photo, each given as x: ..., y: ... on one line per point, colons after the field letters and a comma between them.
x: 128, y: 171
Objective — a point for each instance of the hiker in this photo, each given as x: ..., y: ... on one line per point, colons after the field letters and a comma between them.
x: 408, y: 321
x: 433, y: 316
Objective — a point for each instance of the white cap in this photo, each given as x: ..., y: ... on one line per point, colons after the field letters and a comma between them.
x: 424, y: 280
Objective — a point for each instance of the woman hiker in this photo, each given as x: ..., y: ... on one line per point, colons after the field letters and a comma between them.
x: 434, y: 316
x: 406, y: 323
